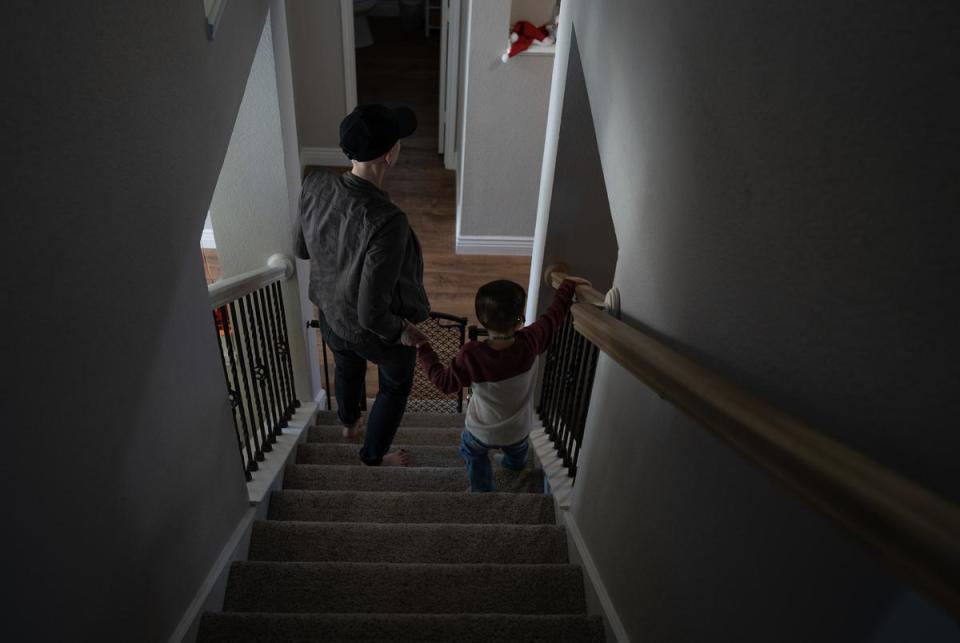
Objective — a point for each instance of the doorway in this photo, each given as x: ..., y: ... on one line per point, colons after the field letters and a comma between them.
x: 407, y: 52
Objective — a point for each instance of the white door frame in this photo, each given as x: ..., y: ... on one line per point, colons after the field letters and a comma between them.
x: 449, y: 78
x: 349, y: 56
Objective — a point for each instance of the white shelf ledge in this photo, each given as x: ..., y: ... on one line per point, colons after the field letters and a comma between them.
x: 543, y: 50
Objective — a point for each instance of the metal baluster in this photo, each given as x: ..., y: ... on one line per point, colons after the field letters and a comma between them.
x: 275, y: 364
x: 463, y: 330
x: 561, y: 388
x: 248, y: 383
x: 233, y: 398
x: 576, y: 398
x: 255, y: 374
x: 228, y: 327
x: 274, y: 361
x: 546, y: 386
x: 555, y: 381
x: 294, y: 402
x: 556, y: 350
x: 573, y: 389
x: 582, y: 420
x: 363, y: 394
x: 273, y: 407
x: 276, y: 346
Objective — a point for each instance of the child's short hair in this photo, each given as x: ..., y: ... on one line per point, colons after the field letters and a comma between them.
x: 499, y: 305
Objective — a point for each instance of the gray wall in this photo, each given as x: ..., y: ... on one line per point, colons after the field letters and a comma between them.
x: 782, y: 180
x: 250, y: 210
x: 580, y: 231
x: 121, y: 464
x: 316, y: 53
x: 505, y: 118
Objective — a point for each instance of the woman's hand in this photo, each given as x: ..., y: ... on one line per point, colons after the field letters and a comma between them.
x: 412, y: 336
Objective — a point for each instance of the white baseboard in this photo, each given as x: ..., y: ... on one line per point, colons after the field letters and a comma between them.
x: 327, y: 156
x: 579, y: 551
x: 494, y: 245
x: 210, y: 595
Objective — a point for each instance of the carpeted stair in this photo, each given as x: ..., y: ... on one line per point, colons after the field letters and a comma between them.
x: 356, y: 553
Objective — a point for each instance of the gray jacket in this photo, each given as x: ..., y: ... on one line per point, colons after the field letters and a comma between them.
x: 366, y: 268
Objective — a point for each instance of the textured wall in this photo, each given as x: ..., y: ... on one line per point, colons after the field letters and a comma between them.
x: 505, y: 118
x: 316, y: 52
x: 783, y: 188
x: 122, y: 463
x: 250, y: 209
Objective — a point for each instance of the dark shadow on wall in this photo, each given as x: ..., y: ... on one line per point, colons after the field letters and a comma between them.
x: 580, y: 232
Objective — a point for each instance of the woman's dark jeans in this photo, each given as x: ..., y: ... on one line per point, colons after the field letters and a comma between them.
x: 396, y: 364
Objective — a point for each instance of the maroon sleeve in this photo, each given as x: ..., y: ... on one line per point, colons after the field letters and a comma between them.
x: 448, y: 379
x: 541, y: 332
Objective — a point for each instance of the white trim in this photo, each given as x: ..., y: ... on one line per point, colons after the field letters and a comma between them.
x: 209, y: 596
x: 493, y: 245
x: 610, y: 616
x: 450, y: 82
x: 207, y: 239
x: 385, y: 9
x: 327, y: 156
x: 349, y: 55
x: 538, y: 50
x: 444, y: 54
x: 466, y: 101
x: 558, y: 85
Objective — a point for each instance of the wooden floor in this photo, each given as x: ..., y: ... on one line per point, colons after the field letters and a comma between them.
x: 403, y: 68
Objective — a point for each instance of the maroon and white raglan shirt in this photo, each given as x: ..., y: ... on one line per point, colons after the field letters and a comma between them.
x: 499, y: 413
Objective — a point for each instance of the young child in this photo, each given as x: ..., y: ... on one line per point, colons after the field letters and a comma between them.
x: 501, y: 374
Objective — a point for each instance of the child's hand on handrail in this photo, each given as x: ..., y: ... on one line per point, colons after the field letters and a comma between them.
x: 580, y: 281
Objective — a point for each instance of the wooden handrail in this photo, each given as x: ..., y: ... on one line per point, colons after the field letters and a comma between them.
x: 914, y: 530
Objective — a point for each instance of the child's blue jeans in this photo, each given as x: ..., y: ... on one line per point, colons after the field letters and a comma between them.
x: 474, y: 453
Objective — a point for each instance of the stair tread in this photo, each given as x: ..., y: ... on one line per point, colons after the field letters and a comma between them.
x: 405, y: 588
x: 417, y: 419
x: 257, y: 627
x: 412, y: 506
x: 439, y: 479
x: 413, y: 435
x: 407, y: 542
x: 421, y: 455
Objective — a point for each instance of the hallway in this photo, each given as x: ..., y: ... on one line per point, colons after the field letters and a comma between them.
x: 402, y: 68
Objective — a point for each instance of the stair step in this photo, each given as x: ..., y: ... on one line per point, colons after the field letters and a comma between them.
x: 412, y: 507
x: 277, y: 540
x: 404, y: 588
x: 403, y: 628
x: 409, y: 419
x: 421, y: 456
x: 413, y: 435
x: 348, y: 477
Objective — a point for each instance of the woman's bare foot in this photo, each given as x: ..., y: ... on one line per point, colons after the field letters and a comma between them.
x: 355, y: 431
x: 398, y: 458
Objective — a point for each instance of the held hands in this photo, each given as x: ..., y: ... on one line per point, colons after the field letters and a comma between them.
x: 411, y: 336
